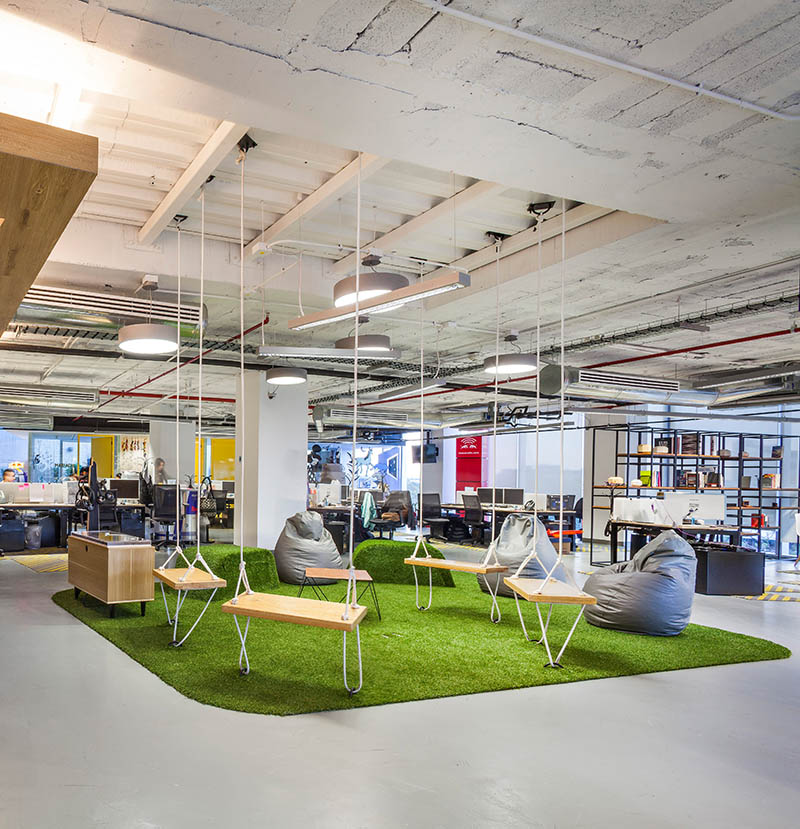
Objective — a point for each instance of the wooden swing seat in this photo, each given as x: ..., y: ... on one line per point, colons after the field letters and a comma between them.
x: 553, y: 592
x: 199, y: 579
x: 296, y: 610
x: 453, y: 564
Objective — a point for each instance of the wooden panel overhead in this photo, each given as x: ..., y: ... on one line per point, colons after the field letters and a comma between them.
x: 44, y: 174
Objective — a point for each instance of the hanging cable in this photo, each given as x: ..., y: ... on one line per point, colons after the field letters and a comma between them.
x: 496, y: 381
x: 178, y: 413
x: 201, y: 458
x: 242, y: 581
x: 351, y: 576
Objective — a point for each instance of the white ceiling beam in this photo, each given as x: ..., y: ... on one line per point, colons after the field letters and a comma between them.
x: 224, y: 139
x: 332, y: 189
x: 388, y: 242
x: 548, y: 228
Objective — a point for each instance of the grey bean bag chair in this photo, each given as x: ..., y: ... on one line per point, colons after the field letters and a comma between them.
x: 652, y: 593
x: 513, y: 543
x: 303, y: 543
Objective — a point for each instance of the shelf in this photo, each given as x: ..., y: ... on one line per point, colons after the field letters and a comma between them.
x: 699, y: 489
x: 660, y: 456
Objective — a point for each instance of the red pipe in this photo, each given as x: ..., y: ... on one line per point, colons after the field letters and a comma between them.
x: 117, y: 395
x: 165, y: 396
x: 688, y: 349
x: 717, y: 344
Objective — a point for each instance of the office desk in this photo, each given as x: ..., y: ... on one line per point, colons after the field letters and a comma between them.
x: 504, y: 510
x: 734, y: 533
x: 67, y: 511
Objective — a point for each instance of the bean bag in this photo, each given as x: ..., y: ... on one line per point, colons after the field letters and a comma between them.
x: 513, y: 543
x: 304, y: 542
x: 652, y: 593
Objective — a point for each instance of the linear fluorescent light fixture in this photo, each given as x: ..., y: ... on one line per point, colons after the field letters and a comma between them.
x: 388, y: 302
x: 404, y: 391
x: 312, y: 353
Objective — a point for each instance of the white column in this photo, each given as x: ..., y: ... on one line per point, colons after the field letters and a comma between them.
x: 270, y: 459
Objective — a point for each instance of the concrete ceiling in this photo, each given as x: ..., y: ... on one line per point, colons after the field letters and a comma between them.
x: 444, y: 104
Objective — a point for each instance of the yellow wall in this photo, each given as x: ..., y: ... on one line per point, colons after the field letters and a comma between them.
x: 103, y: 455
x: 223, y: 458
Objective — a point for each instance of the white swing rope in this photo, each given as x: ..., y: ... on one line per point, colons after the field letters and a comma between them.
x: 178, y: 551
x: 533, y: 554
x: 198, y: 557
x: 420, y: 537
x: 242, y: 579
x: 351, y: 597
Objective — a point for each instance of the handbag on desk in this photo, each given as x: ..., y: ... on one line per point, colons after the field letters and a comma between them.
x: 208, y: 503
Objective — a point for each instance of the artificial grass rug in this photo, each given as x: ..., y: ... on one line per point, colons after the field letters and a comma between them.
x: 448, y: 650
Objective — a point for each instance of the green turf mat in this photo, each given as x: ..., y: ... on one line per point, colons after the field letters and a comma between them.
x: 450, y: 649
x: 223, y: 559
x: 384, y: 561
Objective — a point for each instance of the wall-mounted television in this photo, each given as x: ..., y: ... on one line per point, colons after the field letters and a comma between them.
x: 429, y: 455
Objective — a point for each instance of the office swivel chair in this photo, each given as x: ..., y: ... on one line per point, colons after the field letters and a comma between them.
x: 432, y: 514
x: 473, y: 516
x: 163, y: 510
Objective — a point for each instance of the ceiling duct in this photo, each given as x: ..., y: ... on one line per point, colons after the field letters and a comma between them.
x: 13, y: 418
x: 62, y: 306
x: 597, y: 385
x: 48, y: 396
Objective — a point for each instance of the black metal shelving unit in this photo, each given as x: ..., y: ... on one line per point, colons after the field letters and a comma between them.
x: 749, y: 455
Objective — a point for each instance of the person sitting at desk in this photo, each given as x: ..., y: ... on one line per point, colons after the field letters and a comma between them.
x: 9, y: 476
x: 160, y: 471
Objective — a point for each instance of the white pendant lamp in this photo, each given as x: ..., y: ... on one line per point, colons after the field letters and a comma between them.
x: 514, y: 363
x: 370, y: 285
x: 286, y: 376
x: 148, y: 338
x: 366, y: 342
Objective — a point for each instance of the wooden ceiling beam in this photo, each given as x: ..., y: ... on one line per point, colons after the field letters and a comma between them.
x: 44, y: 174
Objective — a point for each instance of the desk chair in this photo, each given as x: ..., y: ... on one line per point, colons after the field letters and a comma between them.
x: 473, y: 516
x: 163, y: 510
x: 432, y: 514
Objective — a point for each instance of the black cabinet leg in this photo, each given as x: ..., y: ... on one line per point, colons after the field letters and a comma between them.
x: 77, y: 592
x: 112, y: 611
x: 144, y: 607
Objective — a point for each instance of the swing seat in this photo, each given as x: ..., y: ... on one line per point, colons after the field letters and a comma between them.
x: 297, y: 611
x: 551, y: 592
x: 453, y: 564
x: 198, y: 579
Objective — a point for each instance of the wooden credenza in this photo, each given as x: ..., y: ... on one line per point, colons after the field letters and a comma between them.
x: 112, y: 567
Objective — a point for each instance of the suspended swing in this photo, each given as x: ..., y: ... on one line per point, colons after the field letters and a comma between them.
x: 345, y: 616
x: 489, y: 564
x: 549, y: 590
x: 190, y: 578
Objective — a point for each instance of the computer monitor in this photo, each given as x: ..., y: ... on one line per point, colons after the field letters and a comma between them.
x: 697, y: 506
x: 227, y: 486
x: 515, y: 497
x: 554, y: 502
x: 126, y: 488
x: 485, y: 494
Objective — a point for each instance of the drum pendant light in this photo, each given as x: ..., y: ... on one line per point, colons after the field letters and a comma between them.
x: 286, y: 376
x: 148, y: 338
x: 513, y: 363
x: 371, y: 284
x: 366, y: 342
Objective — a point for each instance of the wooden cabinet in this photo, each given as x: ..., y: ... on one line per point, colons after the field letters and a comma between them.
x: 113, y: 568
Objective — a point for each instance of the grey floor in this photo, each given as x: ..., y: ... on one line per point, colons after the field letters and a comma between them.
x: 91, y: 739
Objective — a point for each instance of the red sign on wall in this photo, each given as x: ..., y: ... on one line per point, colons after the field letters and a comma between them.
x: 469, y: 454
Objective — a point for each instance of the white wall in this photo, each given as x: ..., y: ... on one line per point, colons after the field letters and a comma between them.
x: 271, y: 483
x: 549, y: 461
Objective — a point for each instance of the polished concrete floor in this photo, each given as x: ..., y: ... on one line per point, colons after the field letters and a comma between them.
x: 91, y: 739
